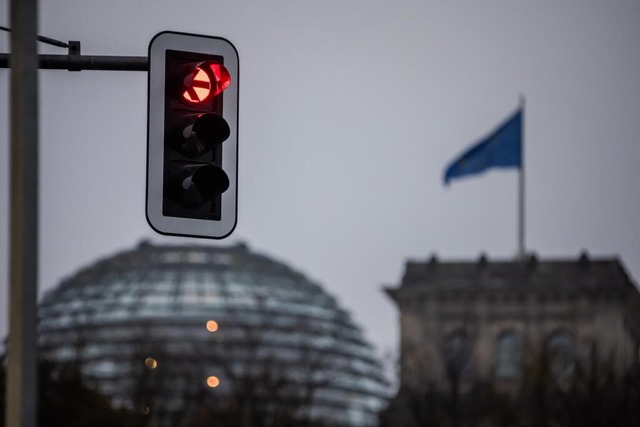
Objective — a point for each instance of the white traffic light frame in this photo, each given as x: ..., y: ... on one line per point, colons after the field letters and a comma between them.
x: 198, y: 44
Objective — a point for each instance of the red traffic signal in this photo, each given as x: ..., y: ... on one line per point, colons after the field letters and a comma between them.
x: 196, y: 83
x: 193, y: 135
x: 197, y: 86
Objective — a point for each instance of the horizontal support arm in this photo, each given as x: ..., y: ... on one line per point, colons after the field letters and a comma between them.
x: 86, y: 62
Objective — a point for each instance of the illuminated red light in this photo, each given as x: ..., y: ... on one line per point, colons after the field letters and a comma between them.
x: 197, y: 87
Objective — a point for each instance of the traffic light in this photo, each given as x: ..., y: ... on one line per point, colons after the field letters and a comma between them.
x: 192, y: 135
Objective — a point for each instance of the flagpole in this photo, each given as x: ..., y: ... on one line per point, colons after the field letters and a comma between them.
x: 521, y: 247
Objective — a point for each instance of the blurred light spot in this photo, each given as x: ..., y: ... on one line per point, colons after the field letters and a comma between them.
x: 151, y: 363
x: 212, y: 326
x: 146, y: 410
x: 213, y: 381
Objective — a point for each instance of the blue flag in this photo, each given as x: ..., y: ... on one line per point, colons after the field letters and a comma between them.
x: 501, y: 149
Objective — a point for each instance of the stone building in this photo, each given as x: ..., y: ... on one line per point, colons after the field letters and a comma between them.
x: 488, y: 320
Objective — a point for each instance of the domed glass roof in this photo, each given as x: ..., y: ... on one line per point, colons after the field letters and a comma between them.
x: 173, y: 329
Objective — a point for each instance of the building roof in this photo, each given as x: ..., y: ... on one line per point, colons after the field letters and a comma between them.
x: 581, y: 274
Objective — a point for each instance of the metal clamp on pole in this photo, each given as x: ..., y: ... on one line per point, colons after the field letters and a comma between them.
x: 74, y: 57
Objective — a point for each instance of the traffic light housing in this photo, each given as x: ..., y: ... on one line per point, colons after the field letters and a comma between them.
x: 192, y: 135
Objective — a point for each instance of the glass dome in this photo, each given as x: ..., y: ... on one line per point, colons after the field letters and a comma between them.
x: 177, y: 330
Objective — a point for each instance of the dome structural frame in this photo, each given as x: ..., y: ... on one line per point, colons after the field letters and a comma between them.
x: 282, y: 346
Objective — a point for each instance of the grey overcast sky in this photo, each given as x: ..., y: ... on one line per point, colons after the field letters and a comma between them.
x: 349, y: 112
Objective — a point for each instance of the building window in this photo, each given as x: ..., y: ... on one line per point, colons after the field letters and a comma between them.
x: 509, y: 355
x: 197, y: 257
x: 562, y: 355
x: 172, y: 257
x: 458, y: 356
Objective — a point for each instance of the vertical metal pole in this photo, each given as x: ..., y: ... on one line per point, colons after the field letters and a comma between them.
x: 521, y: 248
x: 22, y: 393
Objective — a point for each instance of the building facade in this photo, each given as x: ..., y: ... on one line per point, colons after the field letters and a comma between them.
x: 182, y: 332
x: 463, y: 322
